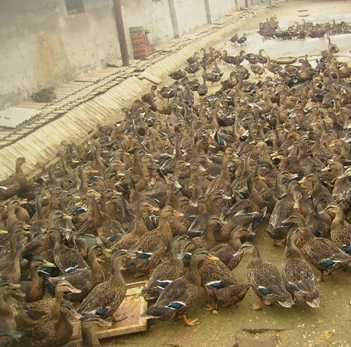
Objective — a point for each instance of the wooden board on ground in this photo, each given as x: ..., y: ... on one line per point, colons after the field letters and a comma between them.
x: 133, y: 307
x: 285, y: 60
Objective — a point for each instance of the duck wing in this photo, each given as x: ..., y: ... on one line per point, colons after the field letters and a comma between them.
x: 104, y: 295
x: 267, y: 283
x: 325, y: 254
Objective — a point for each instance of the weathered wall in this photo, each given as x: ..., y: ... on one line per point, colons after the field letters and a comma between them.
x: 41, y: 44
x: 220, y: 8
x: 190, y: 14
x: 152, y: 15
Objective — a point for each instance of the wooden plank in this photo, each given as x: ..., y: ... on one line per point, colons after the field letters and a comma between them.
x: 134, y: 307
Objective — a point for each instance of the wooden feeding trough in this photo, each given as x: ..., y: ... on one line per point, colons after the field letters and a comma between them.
x: 133, y: 307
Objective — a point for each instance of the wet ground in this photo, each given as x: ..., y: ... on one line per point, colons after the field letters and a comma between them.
x: 299, y: 326
x: 330, y: 325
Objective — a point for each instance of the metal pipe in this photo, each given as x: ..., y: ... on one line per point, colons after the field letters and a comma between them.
x: 121, y: 32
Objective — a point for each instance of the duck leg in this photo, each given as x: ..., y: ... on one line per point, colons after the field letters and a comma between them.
x: 278, y: 243
x: 189, y: 322
x: 322, y: 278
x: 259, y: 305
x: 213, y: 308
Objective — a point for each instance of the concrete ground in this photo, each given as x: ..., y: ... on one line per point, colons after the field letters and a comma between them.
x: 275, y: 326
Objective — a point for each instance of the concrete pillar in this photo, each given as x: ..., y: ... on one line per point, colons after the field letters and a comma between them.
x: 174, y: 19
x: 246, y: 3
x: 208, y: 11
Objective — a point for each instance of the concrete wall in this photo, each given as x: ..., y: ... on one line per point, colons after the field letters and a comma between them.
x: 190, y: 14
x: 42, y: 45
x: 152, y: 15
x: 220, y: 8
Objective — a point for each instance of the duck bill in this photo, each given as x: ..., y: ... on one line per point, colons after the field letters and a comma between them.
x: 296, y: 205
x: 314, y: 303
x: 45, y: 274
x: 302, y: 182
x: 73, y: 290
x: 148, y: 316
x: 107, y: 252
x: 179, y: 214
x: 286, y: 304
x: 3, y: 232
x: 295, y: 177
x: 14, y: 286
x: 74, y: 314
x: 286, y: 222
x: 48, y: 264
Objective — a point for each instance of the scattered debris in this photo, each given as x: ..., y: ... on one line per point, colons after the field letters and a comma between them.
x: 249, y: 341
x: 44, y: 95
x: 263, y: 330
x: 247, y: 13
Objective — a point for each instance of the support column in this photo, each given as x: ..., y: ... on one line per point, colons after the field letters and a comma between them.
x: 246, y: 3
x: 174, y: 19
x: 117, y: 5
x: 208, y: 11
x: 236, y: 5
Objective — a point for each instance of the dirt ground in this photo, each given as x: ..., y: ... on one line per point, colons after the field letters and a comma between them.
x: 274, y: 326
x: 299, y: 326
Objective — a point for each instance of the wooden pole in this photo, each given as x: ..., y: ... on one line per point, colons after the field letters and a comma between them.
x: 121, y: 32
x: 236, y: 5
x: 174, y: 19
x: 208, y: 11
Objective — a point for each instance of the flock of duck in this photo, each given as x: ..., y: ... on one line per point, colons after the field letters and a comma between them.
x: 271, y: 29
x: 177, y: 192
